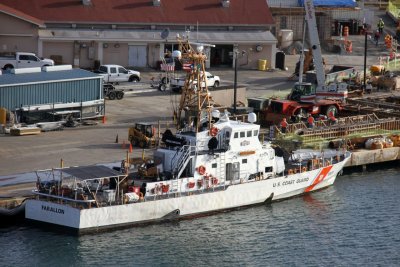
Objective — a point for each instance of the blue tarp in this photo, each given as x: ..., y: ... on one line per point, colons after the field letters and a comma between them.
x: 332, y: 3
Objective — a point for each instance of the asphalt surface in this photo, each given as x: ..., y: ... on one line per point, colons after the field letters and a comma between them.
x: 85, y: 145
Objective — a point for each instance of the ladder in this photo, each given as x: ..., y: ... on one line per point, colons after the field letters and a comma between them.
x: 179, y: 164
x: 222, y: 167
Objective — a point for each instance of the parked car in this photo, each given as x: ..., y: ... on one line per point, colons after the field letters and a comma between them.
x: 117, y: 74
x: 23, y: 60
x: 211, y: 80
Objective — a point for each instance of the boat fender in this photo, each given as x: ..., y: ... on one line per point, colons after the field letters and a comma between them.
x: 201, y: 170
x: 214, y: 131
x: 295, y: 170
x: 304, y: 169
x: 290, y: 171
x: 327, y: 163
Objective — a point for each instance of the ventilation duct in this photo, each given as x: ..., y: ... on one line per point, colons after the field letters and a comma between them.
x: 225, y: 3
x: 87, y: 2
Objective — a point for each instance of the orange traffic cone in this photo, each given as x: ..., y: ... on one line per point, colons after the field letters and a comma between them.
x: 123, y: 144
x: 104, y: 119
x: 130, y: 148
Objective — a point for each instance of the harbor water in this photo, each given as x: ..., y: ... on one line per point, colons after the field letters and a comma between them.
x: 355, y: 222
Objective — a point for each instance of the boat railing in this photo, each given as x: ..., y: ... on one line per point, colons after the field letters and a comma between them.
x: 62, y: 199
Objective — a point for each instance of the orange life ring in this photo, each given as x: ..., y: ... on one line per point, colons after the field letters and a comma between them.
x: 214, y: 180
x: 290, y: 171
x: 214, y: 131
x: 201, y: 170
x: 190, y: 184
x: 165, y: 188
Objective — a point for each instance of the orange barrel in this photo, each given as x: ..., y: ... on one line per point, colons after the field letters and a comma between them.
x: 346, y: 31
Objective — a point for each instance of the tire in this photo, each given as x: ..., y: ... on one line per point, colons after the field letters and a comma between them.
x: 331, y: 108
x: 164, y: 80
x: 142, y: 144
x: 111, y: 95
x: 162, y: 87
x: 134, y: 79
x: 216, y: 84
x: 120, y: 95
x: 8, y: 68
x: 134, y: 141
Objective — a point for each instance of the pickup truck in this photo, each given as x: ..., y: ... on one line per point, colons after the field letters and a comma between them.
x: 117, y: 74
x: 23, y: 60
x: 211, y: 80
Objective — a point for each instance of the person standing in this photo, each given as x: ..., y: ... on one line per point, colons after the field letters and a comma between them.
x: 332, y: 119
x: 310, y: 121
x: 284, y: 125
x: 381, y: 24
x: 377, y: 35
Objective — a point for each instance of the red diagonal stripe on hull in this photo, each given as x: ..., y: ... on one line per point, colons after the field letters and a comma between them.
x: 321, y: 176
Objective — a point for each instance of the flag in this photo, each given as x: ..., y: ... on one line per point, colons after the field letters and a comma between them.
x: 167, y: 67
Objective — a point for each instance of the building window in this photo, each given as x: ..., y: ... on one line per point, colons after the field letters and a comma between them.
x: 283, y: 22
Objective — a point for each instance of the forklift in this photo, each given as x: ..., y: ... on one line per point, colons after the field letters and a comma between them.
x: 143, y: 134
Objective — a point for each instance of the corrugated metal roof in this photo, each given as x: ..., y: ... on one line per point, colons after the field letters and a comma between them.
x: 46, y: 77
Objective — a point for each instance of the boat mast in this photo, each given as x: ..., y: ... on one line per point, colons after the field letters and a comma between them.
x: 195, y: 98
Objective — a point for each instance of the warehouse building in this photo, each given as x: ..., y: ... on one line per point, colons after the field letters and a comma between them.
x: 52, y: 94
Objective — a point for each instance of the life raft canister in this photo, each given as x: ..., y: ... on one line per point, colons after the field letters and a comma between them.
x: 214, y: 131
x: 201, y: 170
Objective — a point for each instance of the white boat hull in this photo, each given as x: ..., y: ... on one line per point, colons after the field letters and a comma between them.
x: 176, y: 207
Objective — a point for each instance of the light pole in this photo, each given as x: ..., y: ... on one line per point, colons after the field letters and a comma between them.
x: 365, y: 57
x: 235, y: 55
x: 235, y: 60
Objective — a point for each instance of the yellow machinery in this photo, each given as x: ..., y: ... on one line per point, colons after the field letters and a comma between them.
x: 142, y: 134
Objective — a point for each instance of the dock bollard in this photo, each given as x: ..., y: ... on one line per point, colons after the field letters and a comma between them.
x: 116, y: 139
